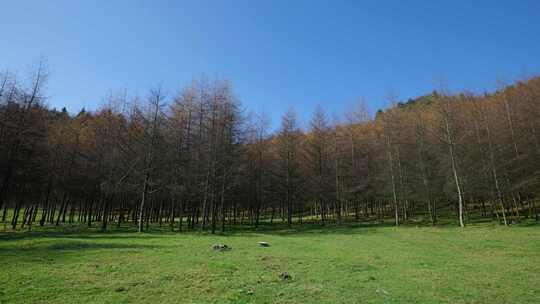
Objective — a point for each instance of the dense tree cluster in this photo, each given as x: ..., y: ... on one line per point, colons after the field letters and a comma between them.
x: 196, y: 161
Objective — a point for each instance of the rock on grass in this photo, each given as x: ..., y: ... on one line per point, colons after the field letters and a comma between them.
x: 285, y: 276
x: 221, y: 247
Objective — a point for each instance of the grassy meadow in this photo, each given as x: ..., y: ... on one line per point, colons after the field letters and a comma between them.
x: 482, y: 263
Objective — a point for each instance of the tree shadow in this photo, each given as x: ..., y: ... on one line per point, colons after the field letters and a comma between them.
x: 49, y: 251
x: 78, y: 232
x: 349, y: 227
x: 300, y: 230
x: 76, y: 245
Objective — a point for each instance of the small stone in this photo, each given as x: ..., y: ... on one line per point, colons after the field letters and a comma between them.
x: 264, y: 244
x: 285, y: 276
x: 221, y: 247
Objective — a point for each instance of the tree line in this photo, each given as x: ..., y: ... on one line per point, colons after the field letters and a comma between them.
x: 196, y: 161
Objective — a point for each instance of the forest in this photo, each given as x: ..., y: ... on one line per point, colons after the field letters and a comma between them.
x: 198, y: 160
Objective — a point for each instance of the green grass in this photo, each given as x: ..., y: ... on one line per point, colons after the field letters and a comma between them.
x: 482, y: 263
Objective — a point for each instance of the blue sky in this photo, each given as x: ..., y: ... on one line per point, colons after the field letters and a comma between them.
x: 276, y: 53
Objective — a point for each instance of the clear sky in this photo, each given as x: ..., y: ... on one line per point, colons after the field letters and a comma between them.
x: 276, y: 53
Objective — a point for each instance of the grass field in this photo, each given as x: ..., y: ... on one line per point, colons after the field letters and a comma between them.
x: 482, y: 263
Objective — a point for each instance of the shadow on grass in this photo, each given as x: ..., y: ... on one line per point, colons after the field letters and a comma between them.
x: 50, y: 251
x: 282, y: 229
x: 239, y: 230
x: 70, y: 245
x: 76, y: 231
x: 351, y: 227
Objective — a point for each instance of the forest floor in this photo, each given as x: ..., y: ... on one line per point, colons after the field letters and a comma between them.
x: 482, y: 263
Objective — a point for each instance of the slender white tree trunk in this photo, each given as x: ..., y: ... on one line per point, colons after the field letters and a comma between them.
x: 392, y: 179
x: 450, y: 142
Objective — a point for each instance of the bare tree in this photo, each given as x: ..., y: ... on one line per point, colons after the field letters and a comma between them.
x: 155, y: 102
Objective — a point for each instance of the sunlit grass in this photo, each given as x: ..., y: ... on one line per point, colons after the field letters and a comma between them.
x: 483, y: 263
